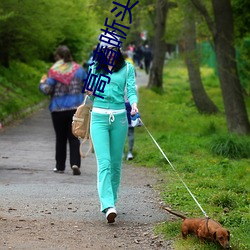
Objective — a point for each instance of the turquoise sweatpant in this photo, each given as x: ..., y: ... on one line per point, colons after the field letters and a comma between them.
x: 108, y: 139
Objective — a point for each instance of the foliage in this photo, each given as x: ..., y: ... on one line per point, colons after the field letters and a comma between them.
x: 243, y: 61
x: 175, y: 25
x: 242, y: 37
x: 142, y: 19
x: 41, y: 30
x: 220, y: 184
x: 19, y: 87
x: 231, y: 146
x: 241, y: 17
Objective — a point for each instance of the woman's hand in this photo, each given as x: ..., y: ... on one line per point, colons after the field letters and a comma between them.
x: 134, y: 109
x: 89, y: 93
x: 43, y: 79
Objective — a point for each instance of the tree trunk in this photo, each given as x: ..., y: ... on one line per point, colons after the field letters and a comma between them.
x: 235, y: 109
x: 201, y: 99
x: 159, y: 47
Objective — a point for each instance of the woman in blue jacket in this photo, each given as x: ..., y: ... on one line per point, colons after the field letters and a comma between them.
x: 64, y: 83
x: 109, y: 125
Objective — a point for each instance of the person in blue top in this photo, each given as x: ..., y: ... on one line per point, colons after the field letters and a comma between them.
x: 64, y: 84
x: 109, y: 125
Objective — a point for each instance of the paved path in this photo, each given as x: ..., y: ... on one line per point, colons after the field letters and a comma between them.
x: 27, y: 160
x: 141, y: 78
x: 26, y: 163
x: 31, y: 193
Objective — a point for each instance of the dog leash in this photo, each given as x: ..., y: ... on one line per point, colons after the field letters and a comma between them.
x: 174, y: 170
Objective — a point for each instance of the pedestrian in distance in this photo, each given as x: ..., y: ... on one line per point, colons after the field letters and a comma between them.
x: 147, y: 54
x: 139, y: 50
x: 128, y: 109
x: 109, y: 125
x: 64, y: 84
x: 130, y: 133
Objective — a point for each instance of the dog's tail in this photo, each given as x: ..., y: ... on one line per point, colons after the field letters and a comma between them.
x: 175, y: 213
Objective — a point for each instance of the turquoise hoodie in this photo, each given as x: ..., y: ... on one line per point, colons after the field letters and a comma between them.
x: 113, y: 96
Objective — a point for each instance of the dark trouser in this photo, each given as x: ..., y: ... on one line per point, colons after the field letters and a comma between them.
x: 62, y: 122
x: 130, y: 129
x: 147, y: 65
x: 130, y: 139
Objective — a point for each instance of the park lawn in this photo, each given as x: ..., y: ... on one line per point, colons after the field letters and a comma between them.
x: 190, y: 140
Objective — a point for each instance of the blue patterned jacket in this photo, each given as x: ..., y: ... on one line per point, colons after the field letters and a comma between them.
x: 64, y: 97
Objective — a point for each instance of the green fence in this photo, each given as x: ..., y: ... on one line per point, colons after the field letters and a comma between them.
x: 208, y: 58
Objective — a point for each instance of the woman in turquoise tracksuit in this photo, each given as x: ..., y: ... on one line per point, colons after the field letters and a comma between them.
x: 109, y: 127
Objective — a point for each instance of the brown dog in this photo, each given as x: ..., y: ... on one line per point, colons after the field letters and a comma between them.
x: 204, y: 228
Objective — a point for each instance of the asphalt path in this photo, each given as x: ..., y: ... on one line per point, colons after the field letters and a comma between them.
x: 31, y: 190
x: 26, y: 164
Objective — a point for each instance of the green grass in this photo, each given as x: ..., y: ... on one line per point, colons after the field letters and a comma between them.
x: 19, y: 87
x: 214, y: 165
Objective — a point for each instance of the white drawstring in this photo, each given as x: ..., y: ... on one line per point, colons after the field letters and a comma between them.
x: 110, y: 112
x: 111, y: 117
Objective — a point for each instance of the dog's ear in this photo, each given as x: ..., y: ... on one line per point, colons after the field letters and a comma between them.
x: 214, y: 235
x: 228, y: 237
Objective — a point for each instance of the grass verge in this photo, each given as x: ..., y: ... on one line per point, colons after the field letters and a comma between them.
x: 19, y: 89
x: 215, y: 165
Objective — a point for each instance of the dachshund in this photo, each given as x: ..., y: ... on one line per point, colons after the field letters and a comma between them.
x: 204, y: 229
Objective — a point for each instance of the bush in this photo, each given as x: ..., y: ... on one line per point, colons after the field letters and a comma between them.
x: 224, y: 200
x: 19, y: 87
x: 231, y: 146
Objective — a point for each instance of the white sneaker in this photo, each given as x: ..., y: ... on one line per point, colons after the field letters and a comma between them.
x: 58, y: 171
x: 76, y: 170
x: 111, y: 214
x: 130, y: 156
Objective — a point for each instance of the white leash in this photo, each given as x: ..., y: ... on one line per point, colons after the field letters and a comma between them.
x: 174, y: 170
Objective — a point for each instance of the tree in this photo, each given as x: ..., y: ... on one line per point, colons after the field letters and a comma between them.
x: 143, y: 20
x: 241, y: 17
x: 141, y: 13
x: 28, y: 33
x: 201, y: 99
x: 23, y: 33
x: 159, y: 47
x: 242, y: 33
x: 223, y: 38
